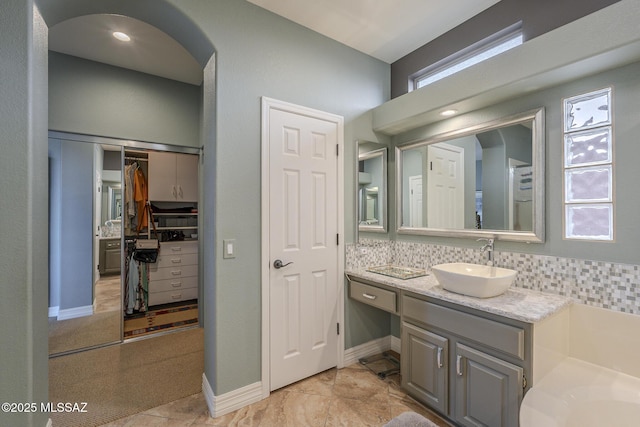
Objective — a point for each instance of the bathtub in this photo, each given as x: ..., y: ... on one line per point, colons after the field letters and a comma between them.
x: 578, y: 393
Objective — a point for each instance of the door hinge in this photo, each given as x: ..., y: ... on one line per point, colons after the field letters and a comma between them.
x: 430, y: 166
x: 524, y: 382
x: 338, y: 239
x: 337, y: 149
x: 338, y: 328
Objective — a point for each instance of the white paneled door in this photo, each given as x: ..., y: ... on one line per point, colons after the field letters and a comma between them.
x: 445, y: 186
x: 303, y: 244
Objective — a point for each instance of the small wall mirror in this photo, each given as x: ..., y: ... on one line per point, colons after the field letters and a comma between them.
x: 485, y: 180
x: 371, y: 205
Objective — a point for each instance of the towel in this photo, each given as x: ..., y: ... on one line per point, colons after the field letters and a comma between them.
x: 410, y: 419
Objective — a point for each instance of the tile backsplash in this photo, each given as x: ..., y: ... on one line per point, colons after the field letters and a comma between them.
x: 602, y: 284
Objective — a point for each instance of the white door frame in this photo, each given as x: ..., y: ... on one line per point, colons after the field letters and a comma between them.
x: 269, y: 104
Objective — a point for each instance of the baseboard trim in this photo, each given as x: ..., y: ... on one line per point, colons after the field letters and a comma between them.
x: 53, y: 311
x: 72, y: 313
x: 232, y: 401
x: 396, y: 344
x: 353, y: 354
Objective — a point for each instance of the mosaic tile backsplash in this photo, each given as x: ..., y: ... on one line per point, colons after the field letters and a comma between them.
x: 602, y: 284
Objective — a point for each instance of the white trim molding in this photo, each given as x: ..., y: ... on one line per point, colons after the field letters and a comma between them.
x: 231, y: 401
x: 53, y: 311
x: 72, y: 313
x: 396, y: 344
x: 371, y: 348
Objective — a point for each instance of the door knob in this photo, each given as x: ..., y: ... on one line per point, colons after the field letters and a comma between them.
x: 278, y: 263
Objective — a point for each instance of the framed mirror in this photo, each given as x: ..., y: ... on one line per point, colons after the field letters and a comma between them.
x: 371, y: 199
x: 482, y: 181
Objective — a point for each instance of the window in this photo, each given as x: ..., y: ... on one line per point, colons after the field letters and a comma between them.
x: 588, y: 166
x: 474, y: 54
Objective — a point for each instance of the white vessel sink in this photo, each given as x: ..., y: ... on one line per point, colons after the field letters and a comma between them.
x: 480, y: 281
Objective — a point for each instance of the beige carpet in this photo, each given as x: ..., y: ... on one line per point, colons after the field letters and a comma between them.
x: 82, y: 332
x: 125, y: 379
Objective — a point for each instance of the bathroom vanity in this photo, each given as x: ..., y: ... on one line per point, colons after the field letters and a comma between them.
x: 468, y: 358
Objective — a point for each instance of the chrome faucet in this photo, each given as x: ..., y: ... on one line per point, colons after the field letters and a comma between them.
x: 487, y: 247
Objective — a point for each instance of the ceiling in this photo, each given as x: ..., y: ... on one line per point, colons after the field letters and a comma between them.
x: 387, y: 30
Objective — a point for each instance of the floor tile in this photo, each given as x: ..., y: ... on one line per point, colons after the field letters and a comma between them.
x: 353, y: 396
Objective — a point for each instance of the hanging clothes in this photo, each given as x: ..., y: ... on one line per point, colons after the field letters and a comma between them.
x: 129, y: 198
x: 141, y: 196
x: 133, y: 280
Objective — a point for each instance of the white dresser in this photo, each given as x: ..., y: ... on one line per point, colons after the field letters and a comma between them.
x: 174, y: 277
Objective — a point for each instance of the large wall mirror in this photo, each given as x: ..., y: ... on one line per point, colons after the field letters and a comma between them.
x: 482, y: 181
x: 371, y: 204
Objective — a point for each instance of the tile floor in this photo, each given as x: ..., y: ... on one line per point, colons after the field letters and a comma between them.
x: 353, y: 396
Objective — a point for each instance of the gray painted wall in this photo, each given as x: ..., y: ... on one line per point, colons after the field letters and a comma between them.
x: 257, y: 54
x: 23, y: 207
x: 537, y: 17
x: 76, y: 225
x: 97, y: 99
x: 626, y: 91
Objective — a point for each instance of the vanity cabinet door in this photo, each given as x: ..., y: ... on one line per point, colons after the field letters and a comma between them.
x: 424, y: 366
x: 488, y: 391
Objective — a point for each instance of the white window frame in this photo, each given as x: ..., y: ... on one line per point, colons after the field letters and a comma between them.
x: 491, y: 46
x: 608, y: 163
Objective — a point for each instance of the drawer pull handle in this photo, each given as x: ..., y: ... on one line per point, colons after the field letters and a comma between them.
x: 176, y: 249
x: 176, y: 296
x: 176, y: 272
x: 369, y: 296
x: 459, y: 365
x: 439, y: 357
x: 176, y: 260
x: 176, y: 284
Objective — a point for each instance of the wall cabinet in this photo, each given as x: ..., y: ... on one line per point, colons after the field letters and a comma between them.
x: 467, y: 367
x: 173, y: 177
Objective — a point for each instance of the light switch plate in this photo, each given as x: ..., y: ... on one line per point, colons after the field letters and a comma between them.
x: 229, y: 248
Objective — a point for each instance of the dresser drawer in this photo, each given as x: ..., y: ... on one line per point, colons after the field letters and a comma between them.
x: 506, y: 338
x: 372, y: 295
x: 177, y: 259
x: 166, y: 297
x: 190, y: 247
x: 178, y: 283
x: 175, y: 272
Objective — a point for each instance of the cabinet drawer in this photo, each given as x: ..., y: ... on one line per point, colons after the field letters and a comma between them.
x: 506, y: 338
x: 156, y: 273
x: 179, y: 248
x: 173, y: 284
x: 172, y: 296
x: 377, y: 297
x: 172, y: 260
x: 112, y: 244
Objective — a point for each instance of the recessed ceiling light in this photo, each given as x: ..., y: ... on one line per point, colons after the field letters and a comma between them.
x: 447, y: 113
x: 121, y: 36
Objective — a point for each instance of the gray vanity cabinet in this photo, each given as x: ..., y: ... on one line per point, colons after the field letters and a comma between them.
x: 488, y: 391
x: 424, y: 362
x: 468, y: 367
x: 109, y: 258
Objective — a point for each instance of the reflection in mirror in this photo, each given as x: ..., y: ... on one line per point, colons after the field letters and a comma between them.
x: 372, y: 187
x: 85, y: 181
x: 474, y: 182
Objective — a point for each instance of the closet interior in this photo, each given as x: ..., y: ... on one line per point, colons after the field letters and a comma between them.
x: 160, y: 229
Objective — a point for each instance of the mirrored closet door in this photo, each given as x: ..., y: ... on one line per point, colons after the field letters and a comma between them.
x: 85, y: 238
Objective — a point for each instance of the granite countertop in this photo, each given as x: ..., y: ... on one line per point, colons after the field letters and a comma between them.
x: 517, y: 303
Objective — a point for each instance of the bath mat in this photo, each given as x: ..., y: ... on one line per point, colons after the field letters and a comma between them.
x: 161, y: 319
